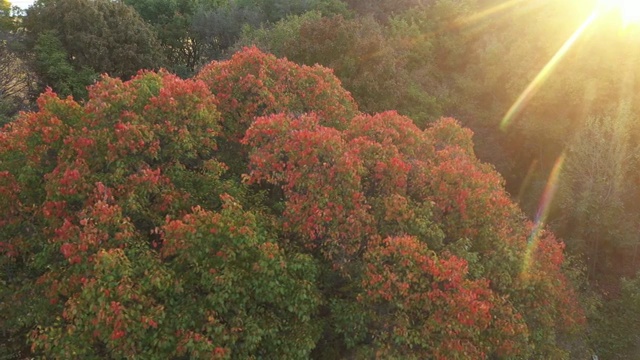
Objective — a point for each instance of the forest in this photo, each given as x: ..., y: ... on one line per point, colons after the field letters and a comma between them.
x: 320, y: 179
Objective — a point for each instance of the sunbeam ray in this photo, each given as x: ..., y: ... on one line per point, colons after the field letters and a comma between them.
x: 542, y: 76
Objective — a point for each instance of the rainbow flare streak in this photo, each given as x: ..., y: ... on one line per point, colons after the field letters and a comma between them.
x: 544, y: 74
x: 543, y: 211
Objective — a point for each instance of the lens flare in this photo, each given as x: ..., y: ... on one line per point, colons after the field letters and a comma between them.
x: 541, y: 216
x: 544, y: 74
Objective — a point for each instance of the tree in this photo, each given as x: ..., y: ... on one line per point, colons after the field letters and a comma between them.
x: 56, y: 71
x: 253, y: 212
x: 172, y: 22
x: 16, y: 81
x: 118, y: 221
x: 368, y: 60
x: 256, y: 84
x: 7, y: 22
x: 596, y: 187
x: 100, y: 36
x: 220, y: 27
x: 392, y: 184
x: 384, y: 9
x: 616, y: 314
x: 193, y: 32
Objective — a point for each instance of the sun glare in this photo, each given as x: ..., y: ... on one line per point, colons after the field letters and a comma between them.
x: 629, y: 10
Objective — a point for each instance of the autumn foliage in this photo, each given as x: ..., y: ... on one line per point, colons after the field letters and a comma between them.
x: 253, y: 212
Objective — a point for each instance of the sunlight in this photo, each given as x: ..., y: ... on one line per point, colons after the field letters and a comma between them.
x: 490, y: 11
x: 542, y: 76
x: 629, y: 10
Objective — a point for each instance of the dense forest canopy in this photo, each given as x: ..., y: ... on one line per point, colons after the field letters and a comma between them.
x: 443, y: 179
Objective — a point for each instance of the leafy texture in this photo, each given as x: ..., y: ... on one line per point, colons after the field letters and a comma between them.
x: 253, y: 212
x: 93, y: 37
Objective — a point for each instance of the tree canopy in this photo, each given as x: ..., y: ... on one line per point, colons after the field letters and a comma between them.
x: 346, y: 168
x: 90, y: 36
x: 125, y: 232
